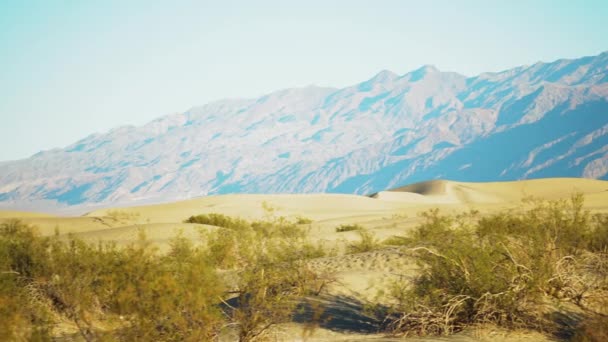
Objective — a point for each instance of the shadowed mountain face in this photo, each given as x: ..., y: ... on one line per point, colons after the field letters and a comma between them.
x: 544, y: 120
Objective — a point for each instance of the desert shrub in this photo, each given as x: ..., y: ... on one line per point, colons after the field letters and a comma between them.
x: 303, y: 220
x: 22, y: 258
x: 499, y: 268
x: 22, y: 318
x: 219, y: 220
x: 273, y: 226
x: 122, y: 215
x: 348, y: 227
x: 172, y: 297
x: 396, y: 240
x: 222, y: 248
x: 309, y: 250
x: 145, y: 295
x: 268, y: 258
x: 597, y: 237
x: 367, y: 242
x: 24, y: 252
x: 230, y: 248
x: 269, y: 290
x: 561, y: 226
x: 278, y: 227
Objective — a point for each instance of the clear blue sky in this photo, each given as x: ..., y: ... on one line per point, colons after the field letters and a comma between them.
x: 72, y: 68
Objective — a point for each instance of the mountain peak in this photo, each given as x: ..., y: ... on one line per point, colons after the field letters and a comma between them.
x: 422, y: 72
x: 428, y: 68
x: 385, y: 75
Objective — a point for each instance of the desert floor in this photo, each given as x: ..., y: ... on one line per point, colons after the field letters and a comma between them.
x: 359, y: 276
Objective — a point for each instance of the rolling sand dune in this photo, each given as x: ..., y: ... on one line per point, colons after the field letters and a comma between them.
x: 314, y: 206
x: 6, y: 214
x: 358, y: 276
x: 504, y: 192
x: 155, y: 233
x: 65, y: 225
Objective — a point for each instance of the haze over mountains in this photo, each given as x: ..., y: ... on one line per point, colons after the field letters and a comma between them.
x: 543, y: 120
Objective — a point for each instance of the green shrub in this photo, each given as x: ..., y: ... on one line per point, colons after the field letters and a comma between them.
x: 270, y: 258
x: 22, y: 259
x: 396, y: 240
x: 303, y: 220
x: 499, y: 268
x: 222, y: 248
x: 170, y: 298
x: 219, y: 220
x: 148, y: 296
x: 367, y: 242
x: 597, y: 237
x: 348, y: 227
x: 164, y: 298
x: 278, y: 227
x: 271, y: 276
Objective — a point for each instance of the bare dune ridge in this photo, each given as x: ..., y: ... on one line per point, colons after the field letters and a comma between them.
x: 497, y: 192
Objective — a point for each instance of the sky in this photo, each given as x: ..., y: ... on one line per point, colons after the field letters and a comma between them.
x: 72, y: 68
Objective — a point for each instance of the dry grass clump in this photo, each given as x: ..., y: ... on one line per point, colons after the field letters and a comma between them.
x: 501, y: 269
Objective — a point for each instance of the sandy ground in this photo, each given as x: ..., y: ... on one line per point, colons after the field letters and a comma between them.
x: 358, y: 276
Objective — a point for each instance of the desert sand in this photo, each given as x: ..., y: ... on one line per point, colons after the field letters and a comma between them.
x: 359, y: 276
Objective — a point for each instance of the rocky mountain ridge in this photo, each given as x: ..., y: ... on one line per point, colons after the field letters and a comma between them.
x: 543, y: 120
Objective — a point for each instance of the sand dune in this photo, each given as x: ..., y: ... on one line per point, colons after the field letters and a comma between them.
x: 504, y: 192
x: 6, y: 214
x: 385, y: 214
x: 155, y: 233
x: 314, y: 206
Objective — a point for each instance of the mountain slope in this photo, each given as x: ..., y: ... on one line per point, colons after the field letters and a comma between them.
x: 544, y: 120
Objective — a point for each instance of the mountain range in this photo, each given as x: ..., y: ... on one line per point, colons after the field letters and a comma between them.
x: 542, y: 120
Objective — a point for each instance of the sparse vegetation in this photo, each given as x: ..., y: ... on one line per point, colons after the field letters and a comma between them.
x: 502, y: 269
x: 396, y: 240
x: 122, y: 215
x: 138, y: 294
x: 303, y: 220
x: 367, y: 242
x: 348, y: 227
x: 512, y: 269
x: 270, y: 259
x: 219, y: 220
x: 143, y: 295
